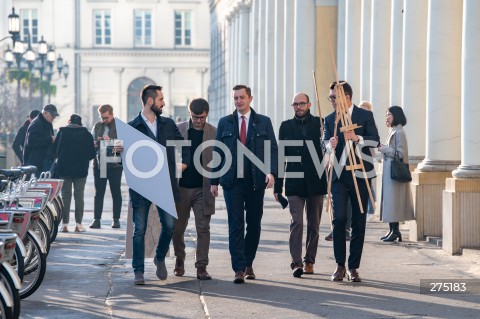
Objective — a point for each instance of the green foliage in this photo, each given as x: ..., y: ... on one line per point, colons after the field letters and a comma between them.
x: 15, y: 75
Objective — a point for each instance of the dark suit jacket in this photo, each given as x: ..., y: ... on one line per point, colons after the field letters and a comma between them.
x: 166, y: 130
x: 311, y: 184
x: 368, y: 131
x: 260, y: 129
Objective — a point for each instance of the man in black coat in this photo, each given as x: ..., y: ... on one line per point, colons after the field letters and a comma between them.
x: 306, y: 192
x: 38, y: 149
x: 19, y: 140
x: 343, y: 187
x: 244, y: 183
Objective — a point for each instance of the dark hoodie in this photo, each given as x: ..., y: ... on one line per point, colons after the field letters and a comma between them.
x: 75, y: 151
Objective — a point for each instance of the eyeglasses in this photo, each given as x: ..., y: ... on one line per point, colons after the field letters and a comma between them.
x: 299, y: 104
x: 332, y: 98
x: 200, y: 118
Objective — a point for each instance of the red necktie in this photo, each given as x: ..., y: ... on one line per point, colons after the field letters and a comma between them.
x: 243, y: 131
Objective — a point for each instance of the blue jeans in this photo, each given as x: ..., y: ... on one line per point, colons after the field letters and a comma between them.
x: 141, y: 207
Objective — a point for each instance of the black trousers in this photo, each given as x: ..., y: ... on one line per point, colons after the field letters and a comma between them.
x: 114, y: 178
x: 342, y: 190
x: 243, y: 205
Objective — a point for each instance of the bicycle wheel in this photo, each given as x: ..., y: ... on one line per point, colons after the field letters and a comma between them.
x: 35, y: 266
x: 18, y: 262
x: 50, y: 221
x: 44, y: 234
x: 5, y: 311
x: 8, y: 282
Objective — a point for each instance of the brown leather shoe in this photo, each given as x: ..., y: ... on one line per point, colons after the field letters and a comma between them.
x: 179, y: 267
x: 339, y: 274
x: 202, y: 273
x: 353, y: 276
x: 308, y: 269
x: 239, y: 277
x: 139, y: 279
x: 249, y: 274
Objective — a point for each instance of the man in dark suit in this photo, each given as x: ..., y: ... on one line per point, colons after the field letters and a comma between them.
x: 244, y: 184
x: 303, y: 193
x: 343, y: 186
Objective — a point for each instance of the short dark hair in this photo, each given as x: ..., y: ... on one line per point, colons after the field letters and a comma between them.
x: 105, y: 108
x: 76, y: 119
x: 198, y: 106
x: 149, y: 91
x: 346, y: 87
x: 398, y: 115
x: 241, y: 86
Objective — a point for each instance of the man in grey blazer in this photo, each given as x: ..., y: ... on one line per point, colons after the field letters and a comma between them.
x: 194, y: 191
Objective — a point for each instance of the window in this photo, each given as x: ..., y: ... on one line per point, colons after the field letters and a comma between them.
x: 183, y: 28
x: 103, y: 30
x: 29, y: 24
x: 143, y: 28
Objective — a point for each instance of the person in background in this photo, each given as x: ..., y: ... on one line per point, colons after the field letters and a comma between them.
x: 397, y: 202
x: 39, y: 140
x: 105, y: 130
x: 75, y: 151
x: 194, y: 191
x: 19, y: 140
x: 304, y: 194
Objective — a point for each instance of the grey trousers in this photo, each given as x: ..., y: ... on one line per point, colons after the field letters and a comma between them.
x: 78, y: 194
x: 192, y: 198
x: 313, y: 206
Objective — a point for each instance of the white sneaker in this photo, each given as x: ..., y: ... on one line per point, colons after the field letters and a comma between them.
x: 79, y: 228
x: 64, y: 229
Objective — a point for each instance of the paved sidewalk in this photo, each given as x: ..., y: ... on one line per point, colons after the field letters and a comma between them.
x: 88, y: 277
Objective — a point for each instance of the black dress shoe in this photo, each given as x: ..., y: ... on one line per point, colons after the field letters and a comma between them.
x: 386, y: 235
x: 353, y: 276
x: 339, y: 274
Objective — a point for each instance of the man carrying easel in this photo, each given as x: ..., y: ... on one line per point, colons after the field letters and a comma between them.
x: 347, y: 128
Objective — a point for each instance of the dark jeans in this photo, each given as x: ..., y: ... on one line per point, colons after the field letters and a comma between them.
x: 342, y: 190
x: 141, y: 207
x: 114, y: 178
x: 78, y: 194
x: 243, y: 205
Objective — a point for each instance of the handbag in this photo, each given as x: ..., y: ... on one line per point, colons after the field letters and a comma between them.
x: 400, y: 171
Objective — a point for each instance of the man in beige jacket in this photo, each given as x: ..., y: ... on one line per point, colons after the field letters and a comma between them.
x: 194, y: 191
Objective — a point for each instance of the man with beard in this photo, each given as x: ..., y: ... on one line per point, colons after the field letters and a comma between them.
x: 161, y: 130
x: 303, y: 193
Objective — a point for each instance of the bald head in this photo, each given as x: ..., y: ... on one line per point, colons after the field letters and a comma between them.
x: 301, y: 104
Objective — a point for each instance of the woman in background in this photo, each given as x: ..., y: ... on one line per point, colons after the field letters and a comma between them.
x: 75, y: 150
x: 397, y: 204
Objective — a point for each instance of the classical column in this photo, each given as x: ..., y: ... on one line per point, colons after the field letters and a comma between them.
x: 304, y: 46
x: 396, y: 54
x: 415, y: 76
x: 461, y: 197
x: 268, y: 100
x: 365, y: 50
x: 258, y: 101
x: 202, y: 72
x: 244, y: 30
x: 353, y: 37
x: 168, y: 96
x: 443, y: 116
x: 253, y: 48
x: 380, y: 63
x: 341, y: 39
x: 121, y: 111
x: 288, y: 57
x: 278, y: 99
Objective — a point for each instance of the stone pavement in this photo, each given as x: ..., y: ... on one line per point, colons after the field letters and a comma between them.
x: 88, y: 277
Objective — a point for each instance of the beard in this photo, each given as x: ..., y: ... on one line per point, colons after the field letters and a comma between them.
x: 156, y: 110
